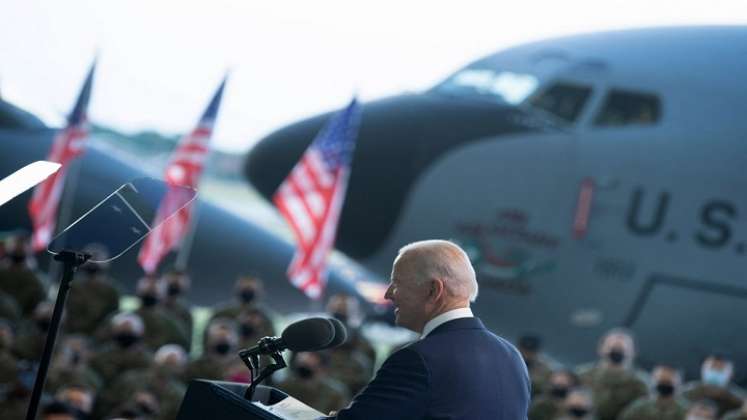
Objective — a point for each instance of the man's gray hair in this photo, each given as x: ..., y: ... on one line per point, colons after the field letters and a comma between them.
x: 443, y: 260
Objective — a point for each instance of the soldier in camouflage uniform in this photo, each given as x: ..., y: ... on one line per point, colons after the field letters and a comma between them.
x: 578, y: 405
x: 550, y: 404
x: 351, y: 363
x: 309, y: 383
x: 249, y: 292
x: 740, y: 414
x: 160, y: 327
x: 613, y: 381
x: 18, y: 280
x: 160, y: 381
x: 32, y: 334
x: 715, y: 384
x: 79, y: 398
x: 530, y: 347
x: 93, y: 297
x: 219, y: 352
x: 664, y: 404
x: 177, y: 284
x: 9, y: 308
x: 125, y: 350
x: 70, y: 366
x: 8, y: 361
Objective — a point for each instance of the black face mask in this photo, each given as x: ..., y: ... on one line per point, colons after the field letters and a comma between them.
x: 529, y: 363
x: 247, y: 330
x: 559, y: 392
x: 342, y: 317
x: 222, y: 348
x: 17, y: 259
x: 665, y: 389
x: 149, y: 300
x: 616, y: 357
x: 75, y: 358
x: 126, y: 340
x: 92, y: 269
x: 304, y: 372
x: 578, y: 412
x: 174, y: 290
x: 43, y: 324
x: 247, y: 296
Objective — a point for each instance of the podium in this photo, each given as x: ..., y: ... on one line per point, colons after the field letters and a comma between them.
x: 220, y: 400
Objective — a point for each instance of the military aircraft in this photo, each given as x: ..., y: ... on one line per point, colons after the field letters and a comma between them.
x: 225, y: 244
x: 596, y: 180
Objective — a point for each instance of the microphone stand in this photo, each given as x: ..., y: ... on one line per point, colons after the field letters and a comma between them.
x: 252, y: 362
x: 71, y: 261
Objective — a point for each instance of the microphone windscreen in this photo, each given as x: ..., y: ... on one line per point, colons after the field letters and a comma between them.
x: 341, y: 334
x: 308, y: 334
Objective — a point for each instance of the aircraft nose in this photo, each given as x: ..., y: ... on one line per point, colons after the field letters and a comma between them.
x: 398, y: 139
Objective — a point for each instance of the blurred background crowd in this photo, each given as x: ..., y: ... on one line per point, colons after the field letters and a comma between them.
x: 119, y: 357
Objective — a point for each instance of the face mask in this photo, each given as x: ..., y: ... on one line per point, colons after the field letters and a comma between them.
x: 174, y: 290
x: 247, y: 330
x: 222, y: 348
x: 665, y: 389
x: 304, y: 372
x: 714, y: 377
x: 149, y: 300
x: 559, y: 392
x: 75, y: 358
x: 247, y: 296
x: 92, y: 269
x: 578, y: 412
x: 43, y: 324
x: 529, y: 363
x: 616, y: 357
x: 126, y: 340
x: 18, y: 259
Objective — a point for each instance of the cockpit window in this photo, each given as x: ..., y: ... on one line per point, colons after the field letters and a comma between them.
x: 563, y: 100
x: 624, y: 108
x: 501, y: 86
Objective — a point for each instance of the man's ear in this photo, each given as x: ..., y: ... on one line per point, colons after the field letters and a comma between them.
x: 436, y: 289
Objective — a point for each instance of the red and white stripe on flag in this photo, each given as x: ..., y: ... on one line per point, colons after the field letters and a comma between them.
x: 310, y: 200
x: 67, y: 145
x: 184, y: 169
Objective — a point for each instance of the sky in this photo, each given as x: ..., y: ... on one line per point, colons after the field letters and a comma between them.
x: 159, y: 61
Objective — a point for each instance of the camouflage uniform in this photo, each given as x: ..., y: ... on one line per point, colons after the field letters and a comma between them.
x: 24, y: 286
x: 81, y: 375
x: 179, y: 310
x: 652, y: 408
x: 539, y: 374
x: 726, y: 399
x: 91, y: 301
x: 208, y: 366
x: 161, y: 328
x: 115, y: 360
x: 350, y: 367
x: 29, y: 343
x: 9, y: 308
x: 167, y: 391
x: 323, y: 394
x: 545, y: 407
x: 613, y: 388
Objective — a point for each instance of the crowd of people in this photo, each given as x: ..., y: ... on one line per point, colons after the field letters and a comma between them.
x: 612, y: 388
x: 110, y: 363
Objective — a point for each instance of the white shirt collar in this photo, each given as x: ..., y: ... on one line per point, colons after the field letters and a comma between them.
x: 446, y: 317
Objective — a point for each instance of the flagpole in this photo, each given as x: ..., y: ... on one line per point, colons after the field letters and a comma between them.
x: 185, y: 249
x: 66, y: 207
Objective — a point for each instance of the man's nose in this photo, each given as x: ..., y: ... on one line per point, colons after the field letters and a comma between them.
x: 388, y: 294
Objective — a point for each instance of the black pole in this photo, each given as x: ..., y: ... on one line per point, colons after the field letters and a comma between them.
x: 71, y: 261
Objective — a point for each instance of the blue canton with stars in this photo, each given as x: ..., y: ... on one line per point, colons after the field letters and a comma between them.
x: 336, y: 142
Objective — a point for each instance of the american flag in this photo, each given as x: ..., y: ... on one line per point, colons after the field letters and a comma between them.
x: 311, y: 197
x: 67, y: 145
x: 184, y: 169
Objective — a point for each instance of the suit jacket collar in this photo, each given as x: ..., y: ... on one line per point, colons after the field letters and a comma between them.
x: 472, y: 323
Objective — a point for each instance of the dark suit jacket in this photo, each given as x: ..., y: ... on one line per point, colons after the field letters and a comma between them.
x: 459, y: 371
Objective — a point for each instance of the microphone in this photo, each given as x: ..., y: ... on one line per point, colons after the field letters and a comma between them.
x: 309, y: 334
x: 341, y: 334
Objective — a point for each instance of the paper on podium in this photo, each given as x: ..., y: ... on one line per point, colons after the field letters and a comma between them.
x: 291, y: 409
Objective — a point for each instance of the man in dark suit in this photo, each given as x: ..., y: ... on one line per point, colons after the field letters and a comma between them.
x: 458, y: 369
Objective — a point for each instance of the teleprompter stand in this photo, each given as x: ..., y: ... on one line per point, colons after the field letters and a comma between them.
x: 71, y: 261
